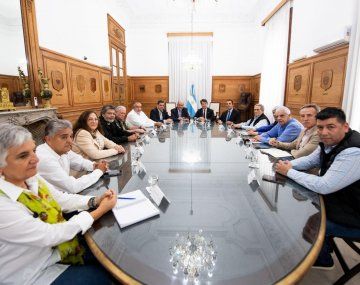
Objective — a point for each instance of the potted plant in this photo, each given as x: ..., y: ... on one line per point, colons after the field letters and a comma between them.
x: 26, y: 92
x: 46, y: 93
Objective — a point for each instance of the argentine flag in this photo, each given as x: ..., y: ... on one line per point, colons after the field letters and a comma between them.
x: 191, y: 104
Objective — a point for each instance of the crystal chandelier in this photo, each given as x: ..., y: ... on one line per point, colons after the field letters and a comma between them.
x: 193, y: 254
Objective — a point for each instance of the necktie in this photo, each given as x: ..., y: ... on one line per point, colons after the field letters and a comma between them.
x: 228, y: 115
x: 204, y: 113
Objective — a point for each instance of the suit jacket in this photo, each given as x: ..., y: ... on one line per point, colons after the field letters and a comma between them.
x: 175, y: 114
x: 234, y: 117
x: 309, y: 146
x: 155, y: 116
x: 209, y: 114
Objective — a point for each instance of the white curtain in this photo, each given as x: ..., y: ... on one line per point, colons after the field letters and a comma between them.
x: 180, y: 79
x: 273, y: 72
x: 351, y: 102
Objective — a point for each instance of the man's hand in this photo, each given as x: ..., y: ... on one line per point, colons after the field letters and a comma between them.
x: 102, y: 165
x: 132, y: 138
x: 158, y: 124
x: 252, y: 132
x: 219, y: 122
x: 119, y: 148
x: 229, y: 123
x: 168, y: 120
x: 140, y: 131
x: 273, y: 142
x: 257, y: 138
x: 104, y: 203
x: 283, y: 167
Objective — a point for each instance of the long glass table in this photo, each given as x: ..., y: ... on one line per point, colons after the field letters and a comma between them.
x: 261, y: 232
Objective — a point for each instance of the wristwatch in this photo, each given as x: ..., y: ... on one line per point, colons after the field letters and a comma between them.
x: 92, y: 203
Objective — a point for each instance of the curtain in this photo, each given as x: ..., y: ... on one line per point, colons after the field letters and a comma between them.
x: 273, y: 72
x: 181, y: 79
x: 351, y: 102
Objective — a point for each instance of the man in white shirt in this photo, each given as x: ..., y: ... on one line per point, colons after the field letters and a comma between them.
x: 257, y: 121
x: 137, y: 118
x: 57, y: 159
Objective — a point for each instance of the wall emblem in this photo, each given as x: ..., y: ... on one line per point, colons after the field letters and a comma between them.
x: 93, y: 84
x: 158, y: 88
x: 57, y: 80
x: 106, y: 86
x: 222, y: 88
x: 326, y: 79
x: 80, y: 83
x: 297, y: 82
x: 242, y: 87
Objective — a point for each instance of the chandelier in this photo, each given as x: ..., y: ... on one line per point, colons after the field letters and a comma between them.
x: 193, y: 254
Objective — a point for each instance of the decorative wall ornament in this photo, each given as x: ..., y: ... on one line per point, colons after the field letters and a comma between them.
x: 142, y: 88
x: 80, y: 83
x: 297, y: 82
x: 158, y: 88
x: 326, y: 79
x: 57, y: 80
x: 222, y: 88
x: 242, y: 87
x: 106, y: 86
x: 93, y: 84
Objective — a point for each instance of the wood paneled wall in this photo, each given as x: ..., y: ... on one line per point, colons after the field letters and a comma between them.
x: 318, y: 79
x: 149, y: 89
x: 12, y: 83
x: 76, y: 85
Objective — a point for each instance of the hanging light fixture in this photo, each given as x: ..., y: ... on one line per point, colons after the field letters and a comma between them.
x: 192, y: 61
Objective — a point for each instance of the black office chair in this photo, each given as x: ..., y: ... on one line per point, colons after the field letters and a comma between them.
x: 348, y: 273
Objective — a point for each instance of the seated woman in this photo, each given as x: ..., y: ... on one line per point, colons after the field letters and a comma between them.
x: 89, y: 140
x: 37, y: 244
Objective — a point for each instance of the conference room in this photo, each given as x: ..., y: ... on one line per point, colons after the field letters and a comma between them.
x: 179, y: 142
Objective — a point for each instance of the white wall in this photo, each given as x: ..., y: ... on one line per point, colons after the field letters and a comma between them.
x: 317, y: 23
x: 79, y: 28
x: 236, y: 48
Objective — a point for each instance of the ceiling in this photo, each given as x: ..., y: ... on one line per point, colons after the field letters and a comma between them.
x: 205, y: 10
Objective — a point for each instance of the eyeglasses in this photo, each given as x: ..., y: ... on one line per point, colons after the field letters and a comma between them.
x: 93, y: 119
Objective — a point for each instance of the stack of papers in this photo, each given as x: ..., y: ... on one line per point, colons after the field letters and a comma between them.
x: 129, y: 211
x: 278, y: 153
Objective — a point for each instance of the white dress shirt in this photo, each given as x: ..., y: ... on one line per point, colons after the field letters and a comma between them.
x: 259, y: 124
x: 27, y: 254
x: 55, y: 169
x: 138, y: 120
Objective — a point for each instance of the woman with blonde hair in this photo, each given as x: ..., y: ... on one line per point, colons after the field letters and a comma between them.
x: 89, y: 140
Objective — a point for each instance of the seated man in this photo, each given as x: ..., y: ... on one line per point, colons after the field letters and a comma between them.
x: 180, y: 113
x: 205, y: 113
x: 286, y: 130
x: 112, y: 129
x: 231, y: 115
x: 57, y: 159
x: 259, y: 119
x: 338, y: 158
x: 120, y: 115
x: 308, y: 140
x: 159, y: 114
x: 137, y: 118
x: 262, y: 129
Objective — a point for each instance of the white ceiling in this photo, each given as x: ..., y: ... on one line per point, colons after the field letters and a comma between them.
x: 205, y: 10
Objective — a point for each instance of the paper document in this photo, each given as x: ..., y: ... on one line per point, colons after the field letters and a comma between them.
x: 130, y: 211
x: 276, y: 152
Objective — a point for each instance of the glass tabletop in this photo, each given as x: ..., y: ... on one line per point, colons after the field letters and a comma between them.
x: 259, y: 230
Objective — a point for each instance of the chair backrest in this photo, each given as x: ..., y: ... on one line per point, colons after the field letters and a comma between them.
x: 169, y: 106
x: 216, y: 107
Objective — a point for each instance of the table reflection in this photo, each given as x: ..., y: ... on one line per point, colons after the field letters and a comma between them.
x: 258, y: 232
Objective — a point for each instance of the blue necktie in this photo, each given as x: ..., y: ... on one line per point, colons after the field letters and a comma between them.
x: 228, y: 115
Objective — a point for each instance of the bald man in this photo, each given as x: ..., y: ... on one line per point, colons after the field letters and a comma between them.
x: 180, y: 113
x: 137, y: 117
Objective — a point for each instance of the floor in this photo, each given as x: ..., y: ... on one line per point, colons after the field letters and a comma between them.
x: 316, y: 276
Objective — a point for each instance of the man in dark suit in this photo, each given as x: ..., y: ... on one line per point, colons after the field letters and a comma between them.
x: 231, y: 115
x: 205, y: 113
x: 180, y: 113
x: 159, y: 113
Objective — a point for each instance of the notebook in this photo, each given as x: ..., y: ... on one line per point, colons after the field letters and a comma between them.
x: 277, y: 153
x: 128, y: 212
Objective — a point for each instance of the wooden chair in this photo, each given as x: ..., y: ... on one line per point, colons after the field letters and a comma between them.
x: 169, y: 106
x: 216, y: 107
x: 348, y: 272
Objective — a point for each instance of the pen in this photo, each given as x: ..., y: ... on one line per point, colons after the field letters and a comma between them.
x: 126, y: 198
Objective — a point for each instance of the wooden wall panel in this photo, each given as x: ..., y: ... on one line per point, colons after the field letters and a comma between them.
x: 77, y: 85
x: 12, y: 83
x: 318, y: 79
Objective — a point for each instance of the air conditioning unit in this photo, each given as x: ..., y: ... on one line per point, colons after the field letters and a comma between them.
x: 331, y: 46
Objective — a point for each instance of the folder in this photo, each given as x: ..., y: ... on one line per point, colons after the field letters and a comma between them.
x: 131, y: 211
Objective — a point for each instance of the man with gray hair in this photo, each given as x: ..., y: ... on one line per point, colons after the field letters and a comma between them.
x: 287, y: 129
x: 259, y: 119
x: 57, y: 159
x: 120, y: 115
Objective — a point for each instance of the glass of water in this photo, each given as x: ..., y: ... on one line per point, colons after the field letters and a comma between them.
x: 153, y: 179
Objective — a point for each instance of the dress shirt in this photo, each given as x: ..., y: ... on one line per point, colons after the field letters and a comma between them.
x: 267, y: 128
x: 344, y: 171
x: 160, y: 115
x: 56, y: 169
x: 286, y: 133
x: 27, y: 254
x: 247, y: 125
x: 139, y: 120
